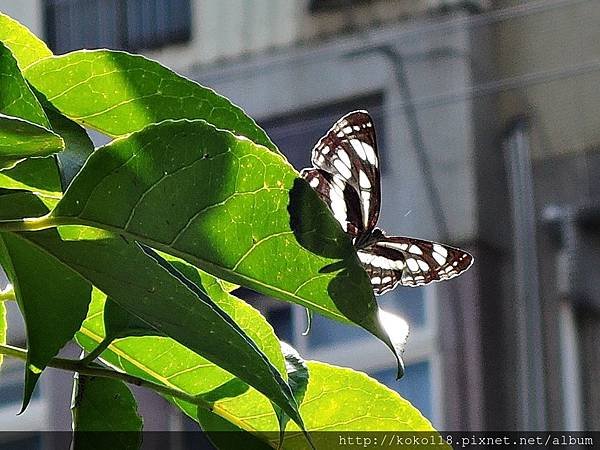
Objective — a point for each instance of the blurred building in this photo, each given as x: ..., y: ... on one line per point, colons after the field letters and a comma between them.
x: 486, y: 114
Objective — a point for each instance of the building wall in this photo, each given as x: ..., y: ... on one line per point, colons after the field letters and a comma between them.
x: 554, y: 57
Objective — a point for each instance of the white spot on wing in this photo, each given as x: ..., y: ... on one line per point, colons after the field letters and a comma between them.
x: 412, y: 264
x: 371, y: 156
x: 415, y: 250
x: 344, y: 157
x: 358, y: 148
x: 366, y: 202
x: 439, y: 258
x: 440, y: 249
x: 314, y: 182
x: 363, y: 180
x: 326, y: 149
x: 375, y: 280
x: 423, y: 265
x: 342, y: 169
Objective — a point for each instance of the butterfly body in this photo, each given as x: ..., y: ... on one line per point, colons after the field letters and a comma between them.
x: 345, y: 174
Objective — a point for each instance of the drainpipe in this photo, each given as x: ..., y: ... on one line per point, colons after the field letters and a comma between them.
x: 530, y: 365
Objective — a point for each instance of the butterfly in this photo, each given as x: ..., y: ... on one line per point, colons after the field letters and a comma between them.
x: 345, y: 175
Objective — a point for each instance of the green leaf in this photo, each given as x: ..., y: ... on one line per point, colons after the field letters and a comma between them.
x: 298, y: 375
x: 52, y: 298
x: 340, y: 399
x: 336, y: 399
x: 17, y: 99
x: 173, y: 309
x: 21, y: 139
x: 101, y: 405
x: 118, y: 93
x: 78, y: 145
x: 167, y: 362
x: 2, y: 327
x: 39, y: 175
x: 229, y: 207
x: 24, y: 45
x: 219, y: 430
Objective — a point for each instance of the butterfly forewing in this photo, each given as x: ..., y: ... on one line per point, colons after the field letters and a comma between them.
x: 411, y: 262
x: 341, y: 198
x: 349, y: 153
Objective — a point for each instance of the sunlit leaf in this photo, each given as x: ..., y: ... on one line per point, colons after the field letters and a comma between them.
x: 24, y: 45
x: 118, y: 93
x: 38, y: 175
x: 17, y: 99
x: 20, y: 139
x: 167, y: 362
x: 229, y: 207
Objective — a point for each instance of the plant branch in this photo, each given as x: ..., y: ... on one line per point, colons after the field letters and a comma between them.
x: 76, y: 366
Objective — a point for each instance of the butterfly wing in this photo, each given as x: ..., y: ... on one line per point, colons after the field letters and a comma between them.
x: 348, y: 153
x: 341, y: 198
x: 411, y: 262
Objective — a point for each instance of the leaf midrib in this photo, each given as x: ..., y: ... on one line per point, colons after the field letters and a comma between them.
x: 74, y: 220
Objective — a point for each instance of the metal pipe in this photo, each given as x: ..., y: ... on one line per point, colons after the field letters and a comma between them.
x: 531, y: 382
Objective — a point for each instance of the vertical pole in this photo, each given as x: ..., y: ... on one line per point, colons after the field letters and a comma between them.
x: 532, y: 410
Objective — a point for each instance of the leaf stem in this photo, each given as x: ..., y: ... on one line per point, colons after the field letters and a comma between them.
x: 90, y: 357
x: 30, y: 223
x: 77, y: 366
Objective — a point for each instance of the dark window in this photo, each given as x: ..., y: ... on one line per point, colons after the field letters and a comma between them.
x: 297, y: 132
x: 118, y: 24
x: 329, y: 5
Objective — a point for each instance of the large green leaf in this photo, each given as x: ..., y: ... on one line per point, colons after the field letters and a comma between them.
x: 25, y: 46
x: 118, y: 93
x: 101, y: 405
x: 144, y: 288
x: 336, y: 400
x: 21, y: 139
x: 16, y: 98
x: 229, y: 207
x: 167, y: 362
x: 53, y: 299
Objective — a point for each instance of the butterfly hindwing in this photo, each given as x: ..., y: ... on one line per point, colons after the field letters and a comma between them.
x: 349, y: 153
x: 411, y: 262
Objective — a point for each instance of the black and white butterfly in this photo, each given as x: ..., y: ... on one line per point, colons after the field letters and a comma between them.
x: 345, y: 174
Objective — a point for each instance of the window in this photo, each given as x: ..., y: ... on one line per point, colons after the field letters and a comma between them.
x: 117, y: 24
x: 331, y: 5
